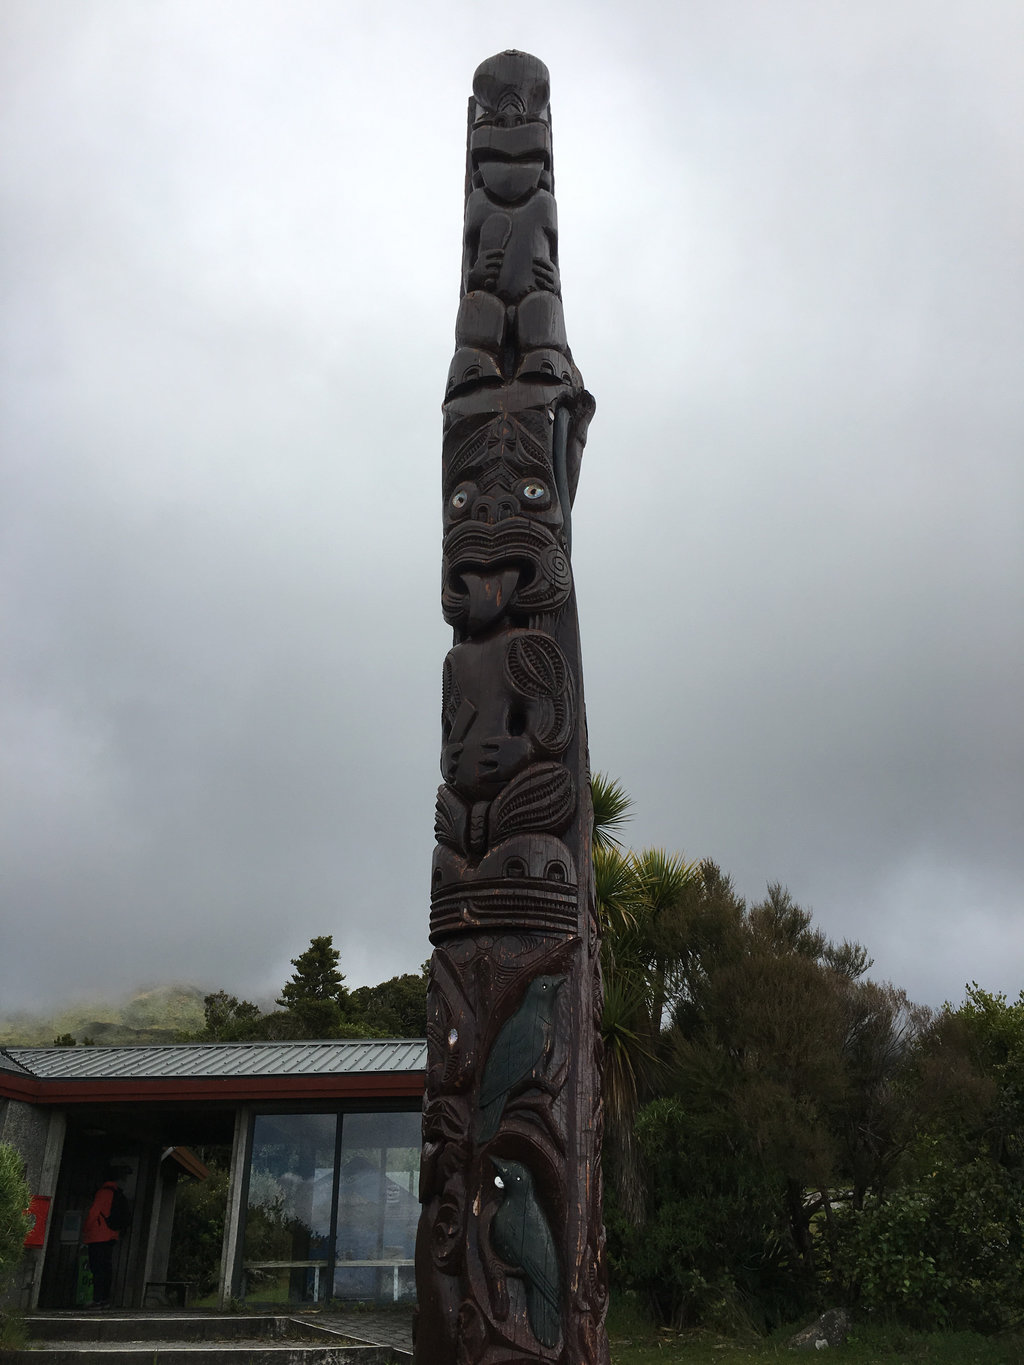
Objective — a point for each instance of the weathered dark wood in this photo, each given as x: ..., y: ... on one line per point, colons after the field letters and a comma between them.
x: 510, y: 1253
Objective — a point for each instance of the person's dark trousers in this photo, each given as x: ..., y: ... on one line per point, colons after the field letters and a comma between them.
x: 101, y: 1263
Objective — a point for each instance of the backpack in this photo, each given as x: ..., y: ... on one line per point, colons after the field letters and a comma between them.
x: 120, y: 1216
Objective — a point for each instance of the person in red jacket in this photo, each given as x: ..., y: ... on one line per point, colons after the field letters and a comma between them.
x: 100, y: 1240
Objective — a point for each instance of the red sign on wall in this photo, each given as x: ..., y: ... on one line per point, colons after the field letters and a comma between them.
x: 37, y: 1210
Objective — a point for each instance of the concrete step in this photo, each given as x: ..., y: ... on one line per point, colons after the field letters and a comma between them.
x: 112, y: 1325
x: 202, y: 1353
x: 110, y: 1338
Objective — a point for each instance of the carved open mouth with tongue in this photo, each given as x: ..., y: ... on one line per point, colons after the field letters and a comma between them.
x: 488, y: 593
x: 516, y: 568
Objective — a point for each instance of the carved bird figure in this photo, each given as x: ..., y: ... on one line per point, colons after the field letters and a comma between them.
x: 521, y: 1237
x: 523, y: 1044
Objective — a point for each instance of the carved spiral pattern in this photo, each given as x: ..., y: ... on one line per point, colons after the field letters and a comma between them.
x: 542, y: 798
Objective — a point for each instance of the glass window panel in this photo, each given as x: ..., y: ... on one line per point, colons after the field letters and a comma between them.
x: 288, y: 1219
x: 378, y: 1208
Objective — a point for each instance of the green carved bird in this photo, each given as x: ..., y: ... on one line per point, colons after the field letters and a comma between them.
x: 521, y: 1237
x: 523, y: 1043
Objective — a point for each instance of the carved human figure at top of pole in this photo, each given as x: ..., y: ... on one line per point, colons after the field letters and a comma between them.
x: 510, y: 323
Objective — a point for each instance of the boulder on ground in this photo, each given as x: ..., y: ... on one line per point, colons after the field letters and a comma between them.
x: 831, y: 1329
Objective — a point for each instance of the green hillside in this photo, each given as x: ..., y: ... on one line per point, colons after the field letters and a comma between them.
x: 159, y: 1015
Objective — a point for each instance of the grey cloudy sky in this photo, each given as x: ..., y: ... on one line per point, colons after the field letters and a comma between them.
x: 793, y: 271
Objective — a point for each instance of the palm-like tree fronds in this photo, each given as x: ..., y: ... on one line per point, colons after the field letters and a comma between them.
x: 643, y: 903
x: 628, y: 1061
x: 612, y: 805
x: 617, y: 890
x: 663, y: 878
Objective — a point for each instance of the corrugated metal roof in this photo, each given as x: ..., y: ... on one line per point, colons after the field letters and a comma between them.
x: 7, y: 1063
x: 332, y: 1058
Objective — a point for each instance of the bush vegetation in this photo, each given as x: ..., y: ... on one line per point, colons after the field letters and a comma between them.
x: 785, y: 1134
x: 14, y: 1226
x: 199, y: 1212
x: 315, y: 1003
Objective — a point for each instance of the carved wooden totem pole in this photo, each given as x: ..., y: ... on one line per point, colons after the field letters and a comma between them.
x: 510, y: 1252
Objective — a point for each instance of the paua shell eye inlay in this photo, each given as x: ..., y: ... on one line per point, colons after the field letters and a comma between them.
x: 460, y: 499
x: 534, y: 491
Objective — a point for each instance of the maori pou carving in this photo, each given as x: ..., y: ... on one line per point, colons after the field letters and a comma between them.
x: 510, y: 1253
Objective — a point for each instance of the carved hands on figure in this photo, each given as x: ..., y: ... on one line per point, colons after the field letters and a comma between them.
x: 506, y: 703
x: 486, y: 269
x: 545, y: 274
x: 482, y: 765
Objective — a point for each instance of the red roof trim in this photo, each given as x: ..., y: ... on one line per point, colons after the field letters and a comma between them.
x: 241, y: 1089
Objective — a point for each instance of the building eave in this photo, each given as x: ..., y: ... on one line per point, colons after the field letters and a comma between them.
x: 233, y: 1089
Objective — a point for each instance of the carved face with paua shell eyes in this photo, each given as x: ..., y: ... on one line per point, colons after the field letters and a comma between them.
x: 503, y: 546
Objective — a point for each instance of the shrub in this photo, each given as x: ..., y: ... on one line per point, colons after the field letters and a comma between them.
x: 711, y: 1248
x: 14, y: 1224
x: 945, y: 1250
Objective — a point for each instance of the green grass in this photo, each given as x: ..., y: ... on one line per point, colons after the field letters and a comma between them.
x: 635, y: 1342
x: 13, y: 1332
